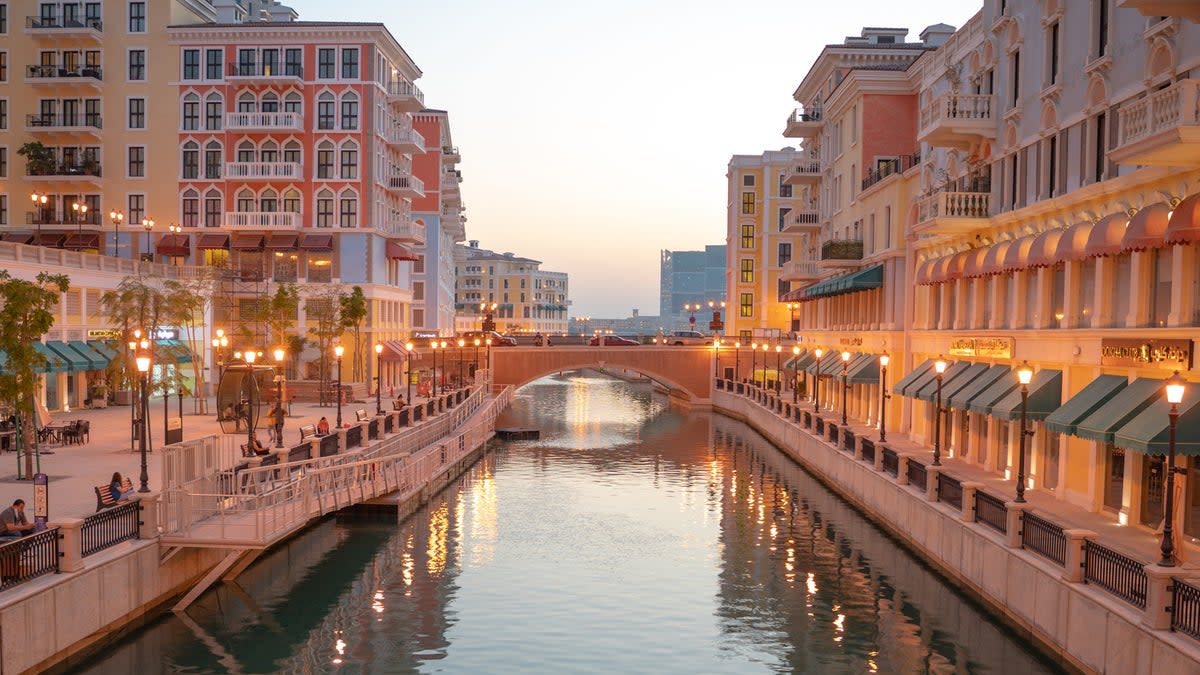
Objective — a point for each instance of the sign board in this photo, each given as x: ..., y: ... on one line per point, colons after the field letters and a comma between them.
x: 984, y: 347
x: 114, y: 334
x: 414, y: 378
x: 850, y: 341
x: 174, y: 430
x: 1136, y: 353
x: 41, y: 501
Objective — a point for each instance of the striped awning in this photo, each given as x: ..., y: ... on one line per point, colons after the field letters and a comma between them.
x: 863, y: 280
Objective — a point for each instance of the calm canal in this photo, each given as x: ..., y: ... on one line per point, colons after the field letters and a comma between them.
x: 631, y: 538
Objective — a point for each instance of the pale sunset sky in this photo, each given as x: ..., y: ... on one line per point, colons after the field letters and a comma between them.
x: 595, y: 134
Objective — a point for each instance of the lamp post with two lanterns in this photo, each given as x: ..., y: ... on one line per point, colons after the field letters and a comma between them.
x: 461, y: 343
x: 39, y: 199
x: 754, y: 363
x: 143, y: 366
x: 795, y: 377
x: 81, y: 210
x: 147, y: 225
x: 117, y: 217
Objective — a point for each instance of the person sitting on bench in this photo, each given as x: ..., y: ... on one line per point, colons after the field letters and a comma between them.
x: 114, y: 488
x: 256, y: 446
x: 398, y: 404
x: 323, y: 427
x: 12, y: 520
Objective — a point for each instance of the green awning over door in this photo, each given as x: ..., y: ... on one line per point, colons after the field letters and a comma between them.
x: 102, y: 348
x: 76, y: 363
x: 912, y: 376
x: 96, y: 360
x: 54, y: 362
x: 1104, y: 422
x: 961, y: 399
x: 1147, y: 433
x: 923, y: 379
x: 865, y: 370
x: 928, y: 391
x: 1091, y: 397
x: 1045, y: 396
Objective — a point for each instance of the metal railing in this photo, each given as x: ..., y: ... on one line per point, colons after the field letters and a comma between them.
x: 328, y: 445
x: 59, y: 21
x: 54, y: 121
x: 868, y: 450
x: 805, y: 115
x: 917, y: 476
x: 109, y: 528
x: 891, y: 462
x: 991, y: 511
x: 1185, y: 608
x: 406, y: 183
x: 842, y: 249
x: 1043, y: 537
x: 373, y: 428
x: 38, y: 72
x: 891, y: 166
x: 949, y: 490
x: 28, y: 558
x: 353, y: 437
x: 1116, y: 573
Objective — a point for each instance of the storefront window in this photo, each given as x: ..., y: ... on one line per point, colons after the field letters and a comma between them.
x: 1121, y: 288
x: 1051, y: 444
x: 53, y: 401
x: 320, y: 268
x: 250, y: 265
x: 1160, y: 290
x: 1153, y: 482
x: 285, y: 266
x: 1059, y: 294
x: 1087, y: 291
x: 1114, y: 470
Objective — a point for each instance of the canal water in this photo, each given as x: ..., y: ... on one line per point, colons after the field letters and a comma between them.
x: 632, y: 538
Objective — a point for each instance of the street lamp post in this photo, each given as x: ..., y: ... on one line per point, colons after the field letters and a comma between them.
x: 135, y: 403
x: 117, y: 217
x: 792, y: 307
x: 1024, y: 376
x: 442, y: 348
x: 477, y: 343
x: 691, y: 309
x: 716, y: 358
x: 279, y: 356
x: 338, y: 351
x: 39, y: 200
x: 249, y: 357
x: 884, y: 359
x: 795, y: 377
x: 461, y: 343
x: 778, y: 369
x: 148, y: 224
x: 143, y: 366
x: 939, y: 367
x: 488, y: 341
x: 408, y: 348
x: 737, y: 361
x: 845, y: 382
x: 1175, y: 387
x: 754, y: 363
x: 80, y: 210
x: 818, y: 352
x: 716, y: 325
x: 378, y: 378
x: 434, y: 346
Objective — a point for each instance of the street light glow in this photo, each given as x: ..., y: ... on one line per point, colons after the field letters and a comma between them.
x: 1175, y: 388
x: 939, y: 366
x: 1025, y: 373
x: 884, y: 359
x: 338, y: 351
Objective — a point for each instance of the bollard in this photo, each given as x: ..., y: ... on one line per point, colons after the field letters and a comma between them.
x: 148, y: 515
x: 1015, y: 511
x: 1073, y: 572
x: 968, y: 500
x: 1157, y: 615
x: 931, y: 483
x: 70, y: 548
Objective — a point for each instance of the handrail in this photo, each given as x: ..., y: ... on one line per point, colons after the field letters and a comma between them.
x: 109, y: 528
x: 28, y: 558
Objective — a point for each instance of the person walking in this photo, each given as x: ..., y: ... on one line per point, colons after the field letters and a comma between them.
x: 277, y: 415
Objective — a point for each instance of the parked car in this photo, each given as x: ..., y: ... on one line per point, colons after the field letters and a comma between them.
x: 498, y: 340
x: 686, y: 337
x: 613, y: 341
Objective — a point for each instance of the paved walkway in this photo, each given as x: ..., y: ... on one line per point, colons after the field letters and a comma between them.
x: 75, y: 469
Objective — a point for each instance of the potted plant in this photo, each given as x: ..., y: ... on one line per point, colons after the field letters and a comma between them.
x: 39, y: 159
x: 91, y: 167
x: 99, y: 395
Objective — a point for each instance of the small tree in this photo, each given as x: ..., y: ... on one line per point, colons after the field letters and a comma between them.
x: 39, y: 159
x: 28, y: 310
x: 295, y: 346
x: 279, y: 312
x: 324, y: 309
x: 136, y: 302
x: 187, y: 303
x: 354, y: 315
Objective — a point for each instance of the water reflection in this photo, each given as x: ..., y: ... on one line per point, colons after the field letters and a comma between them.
x: 631, y: 538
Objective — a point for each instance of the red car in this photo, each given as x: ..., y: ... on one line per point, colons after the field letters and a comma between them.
x: 614, y: 341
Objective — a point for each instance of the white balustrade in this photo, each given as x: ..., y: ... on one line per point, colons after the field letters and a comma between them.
x: 1165, y: 110
x: 263, y: 120
x: 263, y: 170
x: 956, y: 108
x: 954, y: 205
x: 262, y: 220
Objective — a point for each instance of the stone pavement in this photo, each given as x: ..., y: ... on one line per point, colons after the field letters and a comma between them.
x: 75, y: 469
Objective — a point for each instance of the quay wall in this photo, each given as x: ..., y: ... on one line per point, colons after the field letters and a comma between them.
x: 1083, y: 627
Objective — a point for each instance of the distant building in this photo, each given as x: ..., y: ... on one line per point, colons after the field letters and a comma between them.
x: 690, y: 277
x: 528, y: 299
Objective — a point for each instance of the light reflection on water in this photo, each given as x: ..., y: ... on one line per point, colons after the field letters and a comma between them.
x: 630, y: 538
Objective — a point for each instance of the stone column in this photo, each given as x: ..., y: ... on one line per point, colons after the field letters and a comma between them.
x: 879, y: 457
x: 902, y: 468
x: 1013, y: 524
x: 148, y: 515
x: 341, y: 438
x: 1183, y: 296
x: 931, y: 483
x: 968, y: 500
x: 858, y: 454
x: 70, y: 547
x: 1158, y: 597
x: 1074, y: 564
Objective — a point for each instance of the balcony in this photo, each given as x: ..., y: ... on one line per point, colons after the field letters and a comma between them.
x: 264, y: 73
x: 405, y: 231
x: 799, y: 221
x: 957, y: 120
x: 450, y: 154
x: 90, y: 76
x: 841, y: 253
x: 803, y: 123
x: 263, y: 171
x: 407, y: 141
x: 943, y: 213
x: 1162, y: 128
x: 63, y: 220
x: 405, y: 96
x: 58, y: 26
x: 263, y: 121
x: 66, y: 173
x: 808, y: 172
x: 799, y: 270
x: 1188, y: 9
x: 406, y: 186
x: 262, y: 220
x: 63, y: 124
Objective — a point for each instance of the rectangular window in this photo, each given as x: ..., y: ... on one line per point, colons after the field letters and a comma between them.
x: 136, y: 210
x: 292, y: 63
x: 324, y: 212
x: 1101, y: 27
x: 1100, y: 154
x: 3, y: 19
x: 137, y: 17
x: 191, y: 212
x: 191, y: 115
x: 3, y: 66
x: 1160, y: 290
x: 212, y: 115
x: 285, y: 266
x: 3, y: 113
x: 1052, y: 55
x: 137, y: 161
x: 350, y: 64
x: 1052, y: 167
x: 3, y: 162
x: 245, y: 62
x: 349, y: 115
x: 325, y: 114
x: 212, y: 164
x: 747, y: 304
x: 137, y: 65
x: 748, y: 180
x: 747, y: 276
x: 785, y: 253
x: 781, y: 289
x: 748, y: 203
x: 3, y: 209
x: 325, y: 63
x: 212, y: 212
x: 747, y: 236
x: 1016, y: 78
x: 137, y: 113
x: 214, y: 59
x: 191, y: 64
x: 324, y: 164
x: 349, y: 164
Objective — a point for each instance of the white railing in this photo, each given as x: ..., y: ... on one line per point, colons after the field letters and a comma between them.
x: 44, y: 257
x: 954, y: 205
x: 957, y: 108
x: 406, y: 89
x: 800, y: 269
x: 404, y: 230
x: 803, y: 218
x: 263, y: 170
x: 263, y: 120
x: 405, y: 136
x: 263, y: 220
x: 406, y: 183
x: 1165, y: 110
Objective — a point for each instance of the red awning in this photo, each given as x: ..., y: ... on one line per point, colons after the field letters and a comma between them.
x: 393, y: 350
x: 993, y: 261
x: 1147, y: 228
x: 283, y: 242
x: 974, y: 265
x: 1042, y: 252
x: 395, y: 251
x: 1073, y: 243
x: 1185, y: 222
x: 922, y: 276
x: 1106, y: 236
x: 1017, y: 255
x: 49, y: 239
x: 18, y: 237
x: 317, y: 242
x: 82, y: 242
x: 212, y: 241
x: 248, y: 242
x: 174, y: 245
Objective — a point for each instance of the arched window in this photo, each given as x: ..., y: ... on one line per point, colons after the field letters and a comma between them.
x: 349, y: 161
x: 191, y: 112
x: 191, y: 161
x: 325, y: 160
x: 349, y: 111
x: 292, y: 153
x: 348, y: 208
x: 245, y: 151
x: 246, y: 103
x: 269, y: 201
x: 190, y: 207
x: 325, y: 208
x: 270, y: 102
x: 269, y: 152
x: 212, y: 208
x: 292, y: 103
x: 214, y: 110
x: 325, y: 112
x: 245, y: 200
x: 291, y: 200
x: 212, y: 160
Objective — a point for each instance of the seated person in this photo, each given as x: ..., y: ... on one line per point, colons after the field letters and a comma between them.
x: 256, y: 446
x: 114, y: 488
x: 399, y: 403
x: 323, y: 427
x: 13, y: 522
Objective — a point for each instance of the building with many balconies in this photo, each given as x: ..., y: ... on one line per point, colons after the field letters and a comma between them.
x: 440, y: 213
x: 527, y: 299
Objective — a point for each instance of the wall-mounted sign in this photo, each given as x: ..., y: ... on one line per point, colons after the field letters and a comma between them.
x: 1165, y: 354
x: 982, y: 347
x: 116, y: 334
x: 850, y: 341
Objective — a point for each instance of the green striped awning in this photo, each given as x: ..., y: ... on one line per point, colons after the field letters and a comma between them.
x: 54, y: 362
x: 96, y: 360
x: 984, y: 401
x: 961, y: 399
x: 1096, y: 394
x: 1104, y: 422
x: 922, y: 379
x: 76, y: 363
x: 863, y: 280
x: 1147, y: 433
x: 103, y: 349
x: 1045, y: 396
x: 967, y: 376
x: 912, y: 376
x: 929, y: 390
x: 173, y: 351
x: 865, y: 370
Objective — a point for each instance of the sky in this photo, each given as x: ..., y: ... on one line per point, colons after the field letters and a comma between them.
x: 593, y: 135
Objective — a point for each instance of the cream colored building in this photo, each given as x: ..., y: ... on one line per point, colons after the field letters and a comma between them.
x: 528, y: 299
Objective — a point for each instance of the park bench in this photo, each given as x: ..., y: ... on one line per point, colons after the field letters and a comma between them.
x: 248, y: 451
x: 361, y: 415
x: 104, y: 494
x: 307, y: 431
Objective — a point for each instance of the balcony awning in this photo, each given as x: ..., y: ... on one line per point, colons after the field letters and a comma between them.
x: 1106, y: 236
x: 212, y: 242
x: 1103, y: 423
x: 54, y: 362
x: 1185, y: 222
x: 993, y: 261
x: 1147, y: 228
x: 76, y: 363
x: 102, y: 348
x: 395, y: 251
x: 96, y: 360
x: 987, y: 398
x: 1147, y: 433
x: 283, y: 242
x: 1042, y: 252
x: 924, y: 274
x: 248, y: 242
x: 393, y: 350
x: 49, y: 239
x: 928, y: 391
x: 1073, y: 243
x: 1045, y: 396
x: 174, y: 245
x: 912, y: 376
x: 974, y: 263
x: 317, y: 242
x: 863, y: 280
x: 1016, y: 257
x: 865, y: 370
x: 82, y: 242
x: 961, y: 398
x: 1096, y: 394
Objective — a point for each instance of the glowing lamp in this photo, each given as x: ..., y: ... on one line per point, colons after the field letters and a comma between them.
x: 845, y: 357
x: 143, y: 364
x: 279, y: 354
x: 1175, y: 387
x: 884, y: 359
x: 940, y: 366
x: 338, y: 351
x: 250, y: 356
x: 1025, y: 373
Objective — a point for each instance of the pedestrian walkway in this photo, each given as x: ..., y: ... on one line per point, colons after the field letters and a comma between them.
x: 75, y: 469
